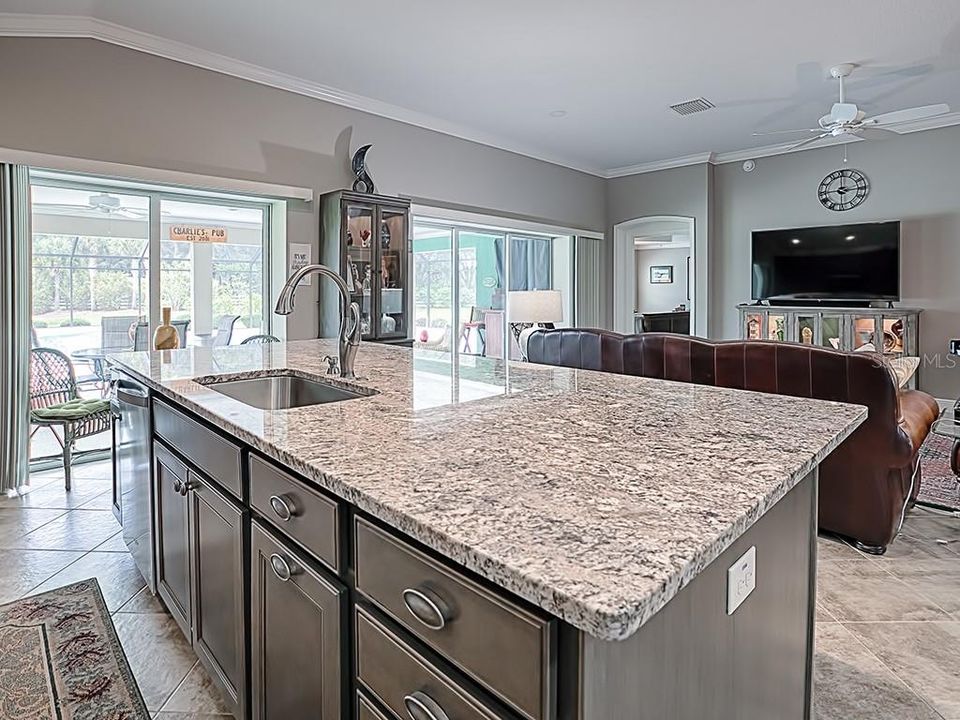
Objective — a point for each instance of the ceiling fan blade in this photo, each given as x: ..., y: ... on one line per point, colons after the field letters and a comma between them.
x: 872, y: 132
x: 909, y: 114
x: 784, y: 132
x: 808, y: 141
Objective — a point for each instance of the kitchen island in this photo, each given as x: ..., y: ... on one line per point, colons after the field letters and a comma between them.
x: 488, y: 539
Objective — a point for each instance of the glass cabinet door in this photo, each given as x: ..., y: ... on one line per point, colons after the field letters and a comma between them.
x: 359, y: 256
x: 776, y: 327
x: 392, y: 243
x: 893, y: 330
x: 806, y: 328
x: 864, y: 330
x: 752, y: 324
x: 831, y: 335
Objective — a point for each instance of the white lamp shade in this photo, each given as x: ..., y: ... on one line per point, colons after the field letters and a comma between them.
x: 534, y: 306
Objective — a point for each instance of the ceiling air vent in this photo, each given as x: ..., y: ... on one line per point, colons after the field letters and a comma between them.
x: 692, y: 106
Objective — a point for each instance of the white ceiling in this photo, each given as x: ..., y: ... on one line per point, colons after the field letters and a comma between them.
x: 493, y: 71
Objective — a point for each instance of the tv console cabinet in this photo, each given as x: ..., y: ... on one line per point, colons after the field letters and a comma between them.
x: 894, y: 331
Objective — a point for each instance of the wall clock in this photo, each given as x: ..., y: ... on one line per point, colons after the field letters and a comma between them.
x: 843, y: 189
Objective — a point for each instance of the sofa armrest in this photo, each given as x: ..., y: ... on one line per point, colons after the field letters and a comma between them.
x: 918, y: 411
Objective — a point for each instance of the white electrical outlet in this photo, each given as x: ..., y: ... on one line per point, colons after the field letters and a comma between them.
x: 741, y: 579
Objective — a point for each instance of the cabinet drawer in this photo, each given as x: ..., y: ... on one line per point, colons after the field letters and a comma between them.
x: 401, y: 678
x: 366, y: 710
x: 506, y: 648
x: 215, y: 456
x: 298, y: 511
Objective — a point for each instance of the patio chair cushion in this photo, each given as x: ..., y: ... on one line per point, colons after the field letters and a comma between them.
x: 77, y: 409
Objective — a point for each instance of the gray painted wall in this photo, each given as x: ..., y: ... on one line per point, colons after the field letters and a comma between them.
x: 661, y: 297
x: 83, y: 98
x: 678, y: 191
x: 914, y: 178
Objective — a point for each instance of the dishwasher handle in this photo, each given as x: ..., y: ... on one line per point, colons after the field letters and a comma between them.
x: 132, y: 396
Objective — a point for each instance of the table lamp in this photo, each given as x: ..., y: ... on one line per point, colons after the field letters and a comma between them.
x: 529, y: 308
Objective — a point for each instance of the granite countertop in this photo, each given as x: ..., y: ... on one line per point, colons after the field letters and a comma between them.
x: 594, y: 496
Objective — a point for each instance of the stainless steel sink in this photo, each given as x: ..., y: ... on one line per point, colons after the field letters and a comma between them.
x: 280, y: 392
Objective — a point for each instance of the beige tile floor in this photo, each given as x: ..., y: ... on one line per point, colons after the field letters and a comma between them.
x: 888, y: 628
x: 49, y: 539
x: 888, y: 631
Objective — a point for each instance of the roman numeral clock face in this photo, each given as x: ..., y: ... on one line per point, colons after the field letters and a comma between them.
x: 843, y: 189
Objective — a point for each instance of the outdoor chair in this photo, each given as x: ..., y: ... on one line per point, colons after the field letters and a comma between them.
x: 141, y: 337
x: 259, y: 340
x: 224, y: 330
x: 115, y: 332
x: 54, y: 401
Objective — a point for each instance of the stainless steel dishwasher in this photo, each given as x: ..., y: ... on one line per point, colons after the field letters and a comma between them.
x: 133, y: 469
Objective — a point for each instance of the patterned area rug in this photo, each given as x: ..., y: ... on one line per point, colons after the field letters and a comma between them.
x: 61, y: 659
x: 939, y: 485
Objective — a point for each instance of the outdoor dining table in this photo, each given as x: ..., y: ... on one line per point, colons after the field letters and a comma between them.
x: 97, y: 358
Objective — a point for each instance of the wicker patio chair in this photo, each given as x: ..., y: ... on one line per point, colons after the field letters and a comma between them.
x: 54, y: 401
x: 259, y: 340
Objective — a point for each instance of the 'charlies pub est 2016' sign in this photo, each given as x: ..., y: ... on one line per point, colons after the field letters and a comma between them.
x: 198, y: 233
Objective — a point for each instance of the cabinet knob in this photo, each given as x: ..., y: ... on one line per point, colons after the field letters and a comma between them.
x: 421, y: 706
x: 427, y: 607
x: 178, y: 487
x: 281, y: 568
x: 281, y: 507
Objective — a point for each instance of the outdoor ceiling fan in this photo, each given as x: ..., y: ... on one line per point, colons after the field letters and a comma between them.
x: 846, y: 119
x: 110, y: 205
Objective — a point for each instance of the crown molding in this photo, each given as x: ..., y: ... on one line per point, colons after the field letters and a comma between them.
x: 948, y: 120
x: 81, y: 26
x: 655, y: 165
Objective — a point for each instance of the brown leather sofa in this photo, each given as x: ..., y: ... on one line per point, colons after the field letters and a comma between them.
x: 866, y: 484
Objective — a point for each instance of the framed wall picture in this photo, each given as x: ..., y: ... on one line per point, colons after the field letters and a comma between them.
x: 661, y: 274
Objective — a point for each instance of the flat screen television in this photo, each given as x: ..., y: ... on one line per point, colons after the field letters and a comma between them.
x: 838, y: 264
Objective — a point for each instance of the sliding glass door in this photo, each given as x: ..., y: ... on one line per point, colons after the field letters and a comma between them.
x: 212, y: 269
x: 107, y: 257
x: 90, y: 285
x: 464, y: 278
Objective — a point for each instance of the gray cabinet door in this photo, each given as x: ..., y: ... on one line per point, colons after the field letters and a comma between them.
x: 172, y: 523
x: 296, y: 617
x: 219, y: 637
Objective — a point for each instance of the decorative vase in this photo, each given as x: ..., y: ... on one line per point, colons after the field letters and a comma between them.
x: 166, y: 337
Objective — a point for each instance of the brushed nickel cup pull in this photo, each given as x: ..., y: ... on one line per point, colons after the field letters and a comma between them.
x: 421, y: 706
x: 281, y: 507
x: 427, y: 607
x: 281, y: 568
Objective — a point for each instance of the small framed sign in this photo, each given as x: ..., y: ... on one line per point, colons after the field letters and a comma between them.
x: 300, y: 256
x: 661, y: 274
x: 198, y: 234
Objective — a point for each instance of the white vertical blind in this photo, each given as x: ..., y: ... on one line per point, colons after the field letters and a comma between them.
x: 14, y: 324
x: 588, y: 269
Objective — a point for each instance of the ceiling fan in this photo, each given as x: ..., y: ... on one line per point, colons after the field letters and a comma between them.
x: 110, y: 205
x: 846, y: 119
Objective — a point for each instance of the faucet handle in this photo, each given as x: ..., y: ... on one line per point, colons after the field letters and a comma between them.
x: 332, y: 365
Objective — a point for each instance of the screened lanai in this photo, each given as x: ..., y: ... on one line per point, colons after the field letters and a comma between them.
x: 105, y: 261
